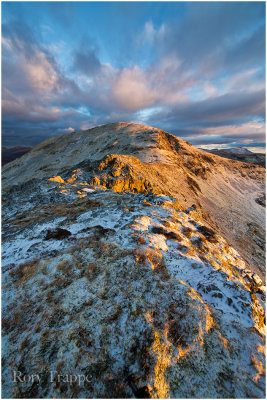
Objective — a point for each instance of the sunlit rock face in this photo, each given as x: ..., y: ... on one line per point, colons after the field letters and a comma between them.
x: 108, y: 279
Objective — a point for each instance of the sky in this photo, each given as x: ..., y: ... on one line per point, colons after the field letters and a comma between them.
x: 194, y: 69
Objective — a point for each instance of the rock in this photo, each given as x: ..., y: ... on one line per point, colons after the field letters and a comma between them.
x: 261, y: 200
x: 57, y: 179
x: 192, y: 208
x: 257, y: 280
x: 57, y: 233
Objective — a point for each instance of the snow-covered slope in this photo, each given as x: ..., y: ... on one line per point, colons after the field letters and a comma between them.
x: 119, y: 286
x: 114, y: 268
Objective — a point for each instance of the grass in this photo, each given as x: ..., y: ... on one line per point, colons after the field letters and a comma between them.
x: 40, y: 213
x: 24, y: 271
x: 150, y: 258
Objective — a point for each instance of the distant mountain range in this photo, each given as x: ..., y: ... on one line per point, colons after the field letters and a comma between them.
x: 241, y: 154
x: 11, y: 153
x: 238, y: 150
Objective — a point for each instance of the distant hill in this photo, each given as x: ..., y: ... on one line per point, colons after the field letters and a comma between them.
x: 241, y: 154
x: 10, y: 154
x: 239, y: 150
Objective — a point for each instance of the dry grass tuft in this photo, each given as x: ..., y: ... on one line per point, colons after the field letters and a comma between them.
x: 24, y: 271
x: 92, y: 271
x: 72, y: 210
x: 150, y: 258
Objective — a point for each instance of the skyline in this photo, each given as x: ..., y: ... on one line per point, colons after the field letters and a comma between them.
x: 196, y: 70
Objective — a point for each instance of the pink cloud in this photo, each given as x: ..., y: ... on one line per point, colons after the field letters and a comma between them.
x: 40, y: 73
x: 210, y: 90
x: 131, y: 91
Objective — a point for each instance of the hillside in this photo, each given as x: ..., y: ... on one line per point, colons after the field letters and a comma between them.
x: 133, y: 262
x: 228, y: 193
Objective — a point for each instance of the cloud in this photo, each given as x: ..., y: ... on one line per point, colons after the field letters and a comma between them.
x: 130, y: 90
x: 221, y: 109
x: 247, y: 128
x: 21, y: 111
x: 244, y: 133
x: 85, y: 57
x: 251, y: 79
x: 40, y: 73
x: 70, y: 129
x: 216, y: 36
x: 160, y: 83
x: 86, y: 62
x: 19, y: 38
x: 248, y: 51
x: 151, y: 34
x: 28, y: 67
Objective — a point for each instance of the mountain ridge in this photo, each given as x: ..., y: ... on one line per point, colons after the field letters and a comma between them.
x: 154, y: 160
x: 114, y: 269
x: 154, y: 147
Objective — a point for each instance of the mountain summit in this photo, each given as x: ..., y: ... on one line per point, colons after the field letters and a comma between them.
x: 133, y: 263
x: 126, y: 156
